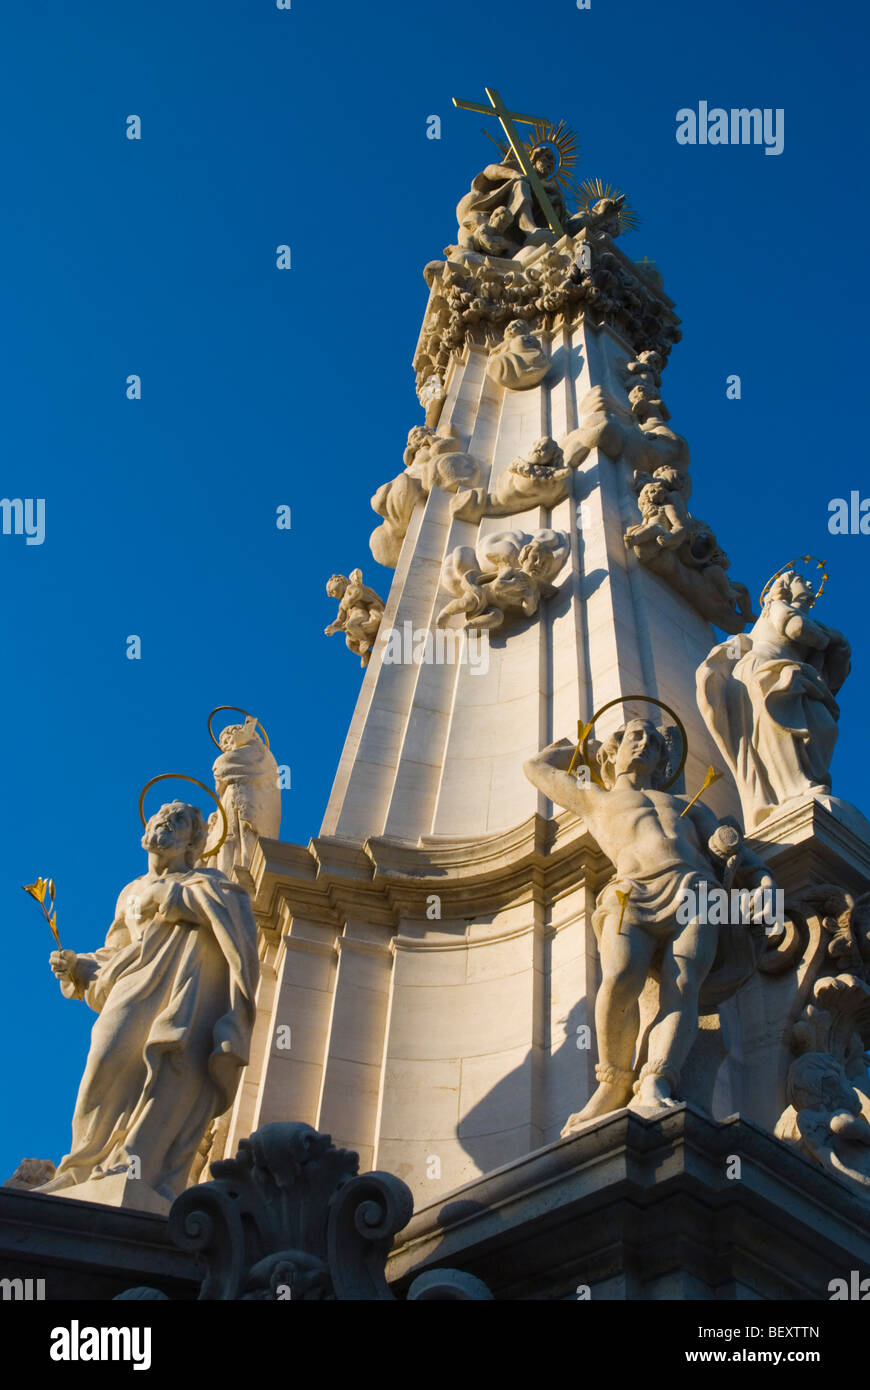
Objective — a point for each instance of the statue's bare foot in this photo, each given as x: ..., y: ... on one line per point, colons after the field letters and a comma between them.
x: 608, y: 1096
x: 654, y: 1091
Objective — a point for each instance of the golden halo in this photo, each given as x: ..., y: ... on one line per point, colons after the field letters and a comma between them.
x: 624, y: 700
x: 183, y: 777
x: 820, y: 565
x: 561, y: 139
x: 592, y: 190
x: 238, y: 709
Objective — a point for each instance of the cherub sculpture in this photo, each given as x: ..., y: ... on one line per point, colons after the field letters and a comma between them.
x: 510, y: 574
x: 665, y: 520
x: 431, y: 460
x: 684, y: 549
x: 518, y: 362
x: 359, y: 613
x: 538, y: 480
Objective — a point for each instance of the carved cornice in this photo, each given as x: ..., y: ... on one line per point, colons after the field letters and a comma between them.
x: 386, y: 881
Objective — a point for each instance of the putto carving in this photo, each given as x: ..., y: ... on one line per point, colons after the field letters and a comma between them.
x: 431, y: 460
x: 767, y: 698
x: 685, y: 552
x: 538, y: 480
x: 509, y: 575
x: 518, y: 362
x: 669, y: 540
x: 291, y: 1218
x: 359, y: 613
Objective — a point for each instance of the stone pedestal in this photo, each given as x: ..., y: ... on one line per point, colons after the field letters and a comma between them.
x: 87, y: 1250
x: 628, y: 1209
x: 633, y: 1209
x: 118, y: 1190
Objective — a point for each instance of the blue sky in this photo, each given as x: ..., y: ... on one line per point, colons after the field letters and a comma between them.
x: 262, y: 388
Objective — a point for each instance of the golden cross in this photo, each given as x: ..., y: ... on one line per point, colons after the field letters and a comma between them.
x: 506, y: 120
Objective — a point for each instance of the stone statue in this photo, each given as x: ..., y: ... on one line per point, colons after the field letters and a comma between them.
x: 767, y: 698
x: 660, y: 857
x: 539, y: 480
x: 604, y: 216
x: 509, y: 574
x: 174, y: 988
x: 684, y: 550
x: 647, y: 445
x: 826, y: 1098
x: 246, y: 780
x: 646, y: 366
x: 828, y: 1118
x: 518, y: 362
x: 500, y: 214
x: 359, y: 613
x: 431, y: 460
x: 665, y: 520
x: 30, y: 1173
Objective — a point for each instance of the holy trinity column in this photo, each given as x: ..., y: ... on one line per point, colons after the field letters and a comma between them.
x: 482, y: 945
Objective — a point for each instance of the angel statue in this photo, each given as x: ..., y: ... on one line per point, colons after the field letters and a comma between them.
x: 510, y: 574
x: 359, y: 613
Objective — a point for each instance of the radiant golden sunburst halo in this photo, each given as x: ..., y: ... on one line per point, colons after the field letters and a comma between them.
x: 592, y: 191
x: 561, y: 139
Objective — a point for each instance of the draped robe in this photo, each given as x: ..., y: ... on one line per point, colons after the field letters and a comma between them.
x: 772, y: 710
x: 247, y: 778
x: 176, y: 1009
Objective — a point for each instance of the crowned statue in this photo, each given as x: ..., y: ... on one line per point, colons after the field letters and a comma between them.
x: 768, y: 699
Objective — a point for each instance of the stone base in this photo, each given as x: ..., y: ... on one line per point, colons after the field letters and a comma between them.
x: 88, y: 1251
x: 815, y: 839
x: 118, y: 1190
x: 626, y: 1209
x: 637, y: 1209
